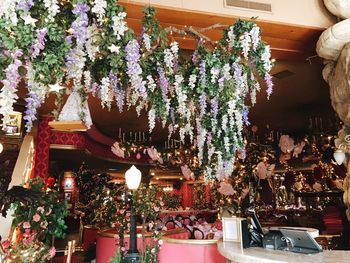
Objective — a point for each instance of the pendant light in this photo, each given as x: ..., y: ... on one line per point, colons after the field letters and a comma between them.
x: 339, y: 156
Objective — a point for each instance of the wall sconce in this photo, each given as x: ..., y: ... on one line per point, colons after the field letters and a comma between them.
x: 344, y: 147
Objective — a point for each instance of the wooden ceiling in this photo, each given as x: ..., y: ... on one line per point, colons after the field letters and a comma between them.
x: 286, y: 41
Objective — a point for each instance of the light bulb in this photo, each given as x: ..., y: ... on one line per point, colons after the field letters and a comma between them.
x: 339, y: 156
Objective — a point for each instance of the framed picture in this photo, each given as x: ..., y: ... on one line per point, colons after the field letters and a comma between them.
x: 232, y: 230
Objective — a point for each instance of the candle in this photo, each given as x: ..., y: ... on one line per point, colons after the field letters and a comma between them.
x: 320, y: 123
x: 316, y: 125
x: 143, y: 136
x: 130, y: 136
x: 165, y: 144
x: 123, y: 137
x: 120, y: 132
x: 135, y: 136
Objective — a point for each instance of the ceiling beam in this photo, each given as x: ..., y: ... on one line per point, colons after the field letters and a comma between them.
x: 286, y: 41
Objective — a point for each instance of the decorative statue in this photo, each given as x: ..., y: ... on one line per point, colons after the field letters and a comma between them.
x: 334, y: 46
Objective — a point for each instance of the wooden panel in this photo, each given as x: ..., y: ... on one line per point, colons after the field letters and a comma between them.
x: 287, y: 41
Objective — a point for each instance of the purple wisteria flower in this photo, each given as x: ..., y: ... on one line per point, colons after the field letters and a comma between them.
x: 134, y: 70
x: 33, y: 102
x: 203, y: 103
x: 195, y: 57
x: 269, y: 83
x: 245, y: 116
x: 119, y: 94
x: 214, y: 107
x: 163, y: 82
x: 202, y: 74
x: 81, y: 23
x: 39, y: 43
x: 9, y: 89
x: 24, y: 5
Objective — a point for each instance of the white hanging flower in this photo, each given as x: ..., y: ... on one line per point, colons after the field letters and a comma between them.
x: 253, y: 97
x: 265, y: 57
x: 181, y: 96
x: 170, y: 56
x: 231, y: 36
x: 114, y: 49
x: 87, y: 80
x: 255, y: 36
x: 226, y: 71
x: 151, y: 84
x: 245, y: 43
x: 119, y: 25
x: 227, y: 144
x: 8, y: 11
x: 52, y: 8
x: 146, y: 39
x: 151, y: 119
x: 99, y: 9
x: 168, y: 60
x: 224, y: 122
x: 214, y: 74
x: 91, y: 45
x: 106, y: 94
x: 192, y: 81
x: 174, y: 47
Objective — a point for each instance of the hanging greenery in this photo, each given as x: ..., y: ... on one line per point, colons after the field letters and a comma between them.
x: 87, y: 45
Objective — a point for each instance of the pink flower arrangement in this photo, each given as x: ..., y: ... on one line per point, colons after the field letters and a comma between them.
x: 26, y: 225
x: 36, y: 218
x: 52, y: 252
x: 264, y: 170
x: 286, y: 144
x: 117, y: 150
x: 226, y: 189
x: 6, y: 244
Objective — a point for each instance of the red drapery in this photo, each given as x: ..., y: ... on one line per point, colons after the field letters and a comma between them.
x: 42, y: 148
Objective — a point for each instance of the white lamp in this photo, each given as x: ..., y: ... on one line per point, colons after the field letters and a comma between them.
x: 339, y: 156
x: 133, y: 178
x: 1, y: 147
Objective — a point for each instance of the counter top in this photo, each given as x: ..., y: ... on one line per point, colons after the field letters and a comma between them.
x: 233, y: 252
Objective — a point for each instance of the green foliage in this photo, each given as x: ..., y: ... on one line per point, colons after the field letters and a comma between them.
x: 171, y: 200
x: 46, y: 215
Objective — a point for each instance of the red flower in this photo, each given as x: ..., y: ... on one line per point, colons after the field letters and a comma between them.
x: 50, y: 182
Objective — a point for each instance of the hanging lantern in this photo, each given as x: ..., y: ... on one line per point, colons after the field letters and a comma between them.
x: 339, y: 156
x: 133, y: 178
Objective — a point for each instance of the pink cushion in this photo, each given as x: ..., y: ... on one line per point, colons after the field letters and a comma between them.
x: 190, y: 253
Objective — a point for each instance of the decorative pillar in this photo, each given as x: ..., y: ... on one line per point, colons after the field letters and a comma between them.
x: 187, y: 195
x: 42, y: 147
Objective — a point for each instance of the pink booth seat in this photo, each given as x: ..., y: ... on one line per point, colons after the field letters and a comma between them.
x: 106, y: 244
x: 89, y: 236
x: 175, y: 250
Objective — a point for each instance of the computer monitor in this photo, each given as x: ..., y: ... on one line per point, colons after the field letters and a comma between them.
x: 254, y: 221
x: 300, y: 241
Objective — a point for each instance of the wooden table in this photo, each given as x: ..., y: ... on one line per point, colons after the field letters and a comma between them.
x: 233, y: 252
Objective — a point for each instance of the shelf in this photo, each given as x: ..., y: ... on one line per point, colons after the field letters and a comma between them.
x: 68, y: 125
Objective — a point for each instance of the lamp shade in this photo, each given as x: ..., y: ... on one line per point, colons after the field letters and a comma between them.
x: 1, y: 147
x: 133, y: 178
x: 339, y: 156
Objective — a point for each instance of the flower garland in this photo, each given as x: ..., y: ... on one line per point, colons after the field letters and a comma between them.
x: 89, y: 44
